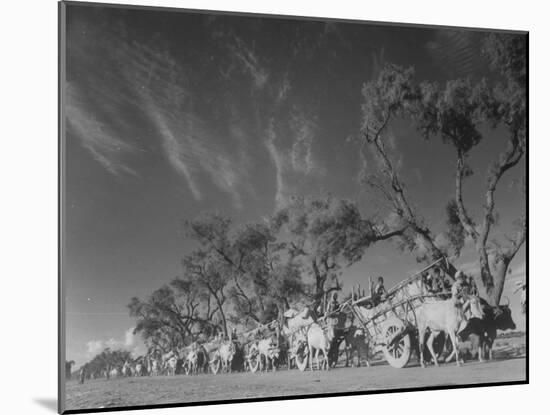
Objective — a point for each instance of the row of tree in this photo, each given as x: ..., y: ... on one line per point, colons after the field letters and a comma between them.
x: 103, y: 362
x: 250, y: 274
x: 242, y: 275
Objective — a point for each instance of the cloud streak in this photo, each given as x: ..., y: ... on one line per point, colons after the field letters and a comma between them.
x: 250, y: 63
x: 295, y: 163
x: 96, y: 136
x: 150, y: 84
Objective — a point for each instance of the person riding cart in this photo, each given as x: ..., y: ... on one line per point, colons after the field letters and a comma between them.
x: 459, y: 289
x: 379, y: 293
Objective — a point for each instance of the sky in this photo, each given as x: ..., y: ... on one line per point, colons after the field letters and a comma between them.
x: 171, y: 114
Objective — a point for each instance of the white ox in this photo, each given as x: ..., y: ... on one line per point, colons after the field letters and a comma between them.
x: 317, y: 339
x: 126, y: 369
x: 114, y: 372
x: 192, y: 360
x: 298, y: 322
x: 227, y: 352
x: 444, y: 316
x: 171, y: 364
x: 268, y: 348
x: 155, y: 367
x: 139, y: 369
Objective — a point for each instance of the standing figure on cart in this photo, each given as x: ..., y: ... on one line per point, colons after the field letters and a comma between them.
x: 379, y: 293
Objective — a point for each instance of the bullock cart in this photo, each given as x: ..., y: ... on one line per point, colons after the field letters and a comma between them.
x: 303, y: 333
x: 263, y: 342
x: 390, y: 323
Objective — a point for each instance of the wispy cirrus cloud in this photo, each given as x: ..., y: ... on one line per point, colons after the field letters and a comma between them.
x: 301, y: 154
x: 292, y: 158
x: 455, y: 51
x: 96, y: 136
x: 249, y: 62
x: 192, y: 147
x: 279, y: 160
x: 149, y: 94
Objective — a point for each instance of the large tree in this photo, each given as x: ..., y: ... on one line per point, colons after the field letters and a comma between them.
x: 390, y: 96
x: 209, y: 275
x: 455, y: 112
x: 326, y: 234
x: 171, y: 316
x: 249, y: 259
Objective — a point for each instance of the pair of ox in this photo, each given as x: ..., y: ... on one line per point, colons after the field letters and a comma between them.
x: 446, y: 317
x: 302, y: 329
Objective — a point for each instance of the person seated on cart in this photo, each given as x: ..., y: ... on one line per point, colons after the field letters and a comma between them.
x: 460, y: 289
x: 429, y: 282
x: 379, y: 294
x: 445, y: 282
x: 472, y: 287
x: 437, y: 281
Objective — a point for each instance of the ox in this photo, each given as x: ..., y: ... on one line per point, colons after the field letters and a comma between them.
x: 192, y: 361
x: 126, y: 371
x: 171, y: 364
x: 202, y: 358
x: 114, y: 372
x: 166, y: 360
x: 295, y: 322
x: 226, y: 352
x: 269, y: 349
x: 483, y: 332
x: 355, y: 341
x: 294, y: 328
x: 318, y: 341
x: 443, y: 316
x: 155, y: 367
x: 139, y: 369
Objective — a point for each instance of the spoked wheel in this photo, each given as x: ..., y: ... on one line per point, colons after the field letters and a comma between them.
x: 254, y: 358
x: 215, y: 364
x: 397, y: 350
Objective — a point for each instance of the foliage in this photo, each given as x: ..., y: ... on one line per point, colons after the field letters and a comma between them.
x: 106, y: 360
x: 456, y: 112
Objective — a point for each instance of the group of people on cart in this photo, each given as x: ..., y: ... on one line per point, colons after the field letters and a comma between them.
x: 436, y: 282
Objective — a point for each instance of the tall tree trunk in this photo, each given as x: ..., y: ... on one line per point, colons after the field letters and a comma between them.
x: 499, y: 277
x: 403, y: 208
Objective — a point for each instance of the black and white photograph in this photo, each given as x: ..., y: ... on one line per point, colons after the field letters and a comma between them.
x: 258, y: 207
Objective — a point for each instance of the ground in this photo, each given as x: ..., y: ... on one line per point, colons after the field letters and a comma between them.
x: 509, y: 365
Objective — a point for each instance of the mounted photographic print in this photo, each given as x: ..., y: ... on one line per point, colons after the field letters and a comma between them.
x: 272, y: 207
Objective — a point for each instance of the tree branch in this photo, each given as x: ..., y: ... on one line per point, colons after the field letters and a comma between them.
x: 465, y: 219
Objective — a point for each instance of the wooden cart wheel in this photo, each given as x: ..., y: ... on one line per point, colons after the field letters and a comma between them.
x: 398, y: 351
x: 254, y: 358
x: 301, y: 357
x: 215, y: 364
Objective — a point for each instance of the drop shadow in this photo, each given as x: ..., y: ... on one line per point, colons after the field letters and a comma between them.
x: 48, y: 403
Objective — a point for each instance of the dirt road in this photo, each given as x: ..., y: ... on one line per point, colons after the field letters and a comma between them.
x: 179, y: 389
